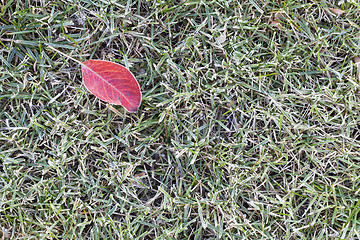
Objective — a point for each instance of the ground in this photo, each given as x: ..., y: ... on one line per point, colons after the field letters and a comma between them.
x: 248, y: 127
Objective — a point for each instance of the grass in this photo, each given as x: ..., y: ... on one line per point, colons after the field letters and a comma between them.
x: 248, y: 128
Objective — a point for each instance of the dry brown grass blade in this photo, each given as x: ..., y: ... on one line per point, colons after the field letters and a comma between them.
x: 336, y: 11
x: 4, y: 234
x: 275, y: 23
x: 357, y: 63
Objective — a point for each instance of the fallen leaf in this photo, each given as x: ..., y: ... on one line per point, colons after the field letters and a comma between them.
x: 336, y: 11
x: 112, y: 83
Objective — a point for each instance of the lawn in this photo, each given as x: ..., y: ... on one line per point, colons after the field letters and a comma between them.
x: 249, y: 126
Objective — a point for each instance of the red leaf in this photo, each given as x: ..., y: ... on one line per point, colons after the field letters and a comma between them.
x: 112, y: 83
